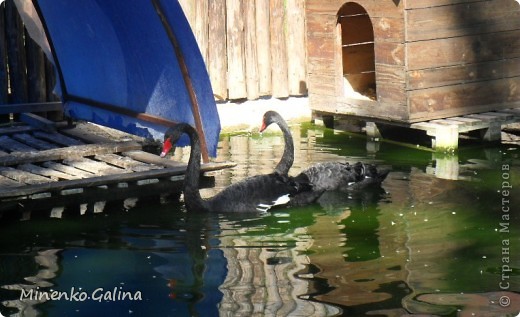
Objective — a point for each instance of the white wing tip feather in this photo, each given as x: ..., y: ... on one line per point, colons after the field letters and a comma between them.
x: 282, y: 200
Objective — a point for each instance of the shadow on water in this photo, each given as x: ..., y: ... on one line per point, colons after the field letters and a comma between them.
x: 436, y: 239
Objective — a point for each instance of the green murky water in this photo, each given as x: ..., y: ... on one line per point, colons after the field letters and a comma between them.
x: 441, y: 239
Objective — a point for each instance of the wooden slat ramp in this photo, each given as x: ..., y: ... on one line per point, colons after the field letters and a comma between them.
x: 46, y: 170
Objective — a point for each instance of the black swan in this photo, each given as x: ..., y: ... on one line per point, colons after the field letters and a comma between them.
x: 255, y: 194
x: 325, y: 176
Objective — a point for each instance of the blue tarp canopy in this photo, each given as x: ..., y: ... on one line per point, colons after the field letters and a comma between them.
x: 131, y: 65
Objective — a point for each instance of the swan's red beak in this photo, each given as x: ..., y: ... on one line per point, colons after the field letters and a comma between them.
x: 263, y: 127
x: 167, y: 146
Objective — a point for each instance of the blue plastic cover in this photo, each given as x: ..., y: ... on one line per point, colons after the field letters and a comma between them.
x: 117, y: 54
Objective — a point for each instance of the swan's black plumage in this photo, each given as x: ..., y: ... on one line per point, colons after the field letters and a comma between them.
x: 254, y: 194
x: 325, y: 176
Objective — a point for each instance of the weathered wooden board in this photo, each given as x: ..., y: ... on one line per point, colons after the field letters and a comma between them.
x: 467, y: 121
x: 324, y: 48
x: 15, y: 129
x: 279, y: 53
x: 7, y: 182
x: 391, y: 88
x: 375, y: 8
x: 74, y: 172
x: 30, y: 107
x: 471, y: 122
x: 23, y: 176
x: 250, y: 51
x: 125, y: 162
x: 389, y: 29
x: 322, y: 66
x: 295, y: 20
x: 34, y: 142
x: 47, y: 172
x: 469, y: 49
x: 323, y: 85
x: 461, y: 74
x: 465, y: 97
x: 370, y: 109
x: 235, y: 31
x: 11, y: 145
x: 217, y: 61
x: 159, y: 161
x: 149, y: 158
x: 390, y: 53
x: 57, y: 138
x: 462, y: 19
x: 263, y: 44
x: 320, y: 26
x: 413, y: 4
x: 235, y: 49
x: 515, y: 112
x: 92, y: 166
x: 94, y: 195
x: 99, y: 180
x: 503, y: 116
x: 37, y: 121
x: 68, y: 152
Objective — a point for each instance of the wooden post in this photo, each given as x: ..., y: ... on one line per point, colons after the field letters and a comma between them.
x: 372, y: 131
x: 278, y: 50
x: 446, y: 138
x: 263, y: 46
x: 35, y: 71
x: 296, y: 49
x: 493, y: 133
x: 235, y: 49
x: 250, y: 51
x: 217, y: 57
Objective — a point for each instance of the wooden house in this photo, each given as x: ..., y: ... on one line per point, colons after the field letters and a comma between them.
x: 407, y: 61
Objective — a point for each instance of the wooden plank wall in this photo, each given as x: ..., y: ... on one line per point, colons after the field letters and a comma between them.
x: 251, y: 48
x: 325, y: 67
x: 26, y: 75
x: 463, y: 56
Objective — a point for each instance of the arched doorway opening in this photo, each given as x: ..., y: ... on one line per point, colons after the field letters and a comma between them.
x: 357, y: 52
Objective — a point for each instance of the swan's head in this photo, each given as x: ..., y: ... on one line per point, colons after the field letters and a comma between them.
x: 171, y: 136
x: 269, y: 118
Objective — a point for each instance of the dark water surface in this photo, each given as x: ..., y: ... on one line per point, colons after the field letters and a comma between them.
x: 441, y: 239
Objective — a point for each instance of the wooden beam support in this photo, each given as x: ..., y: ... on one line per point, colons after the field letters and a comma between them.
x: 31, y: 107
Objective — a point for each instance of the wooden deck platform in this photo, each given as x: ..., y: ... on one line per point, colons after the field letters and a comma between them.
x: 42, y: 169
x: 445, y: 132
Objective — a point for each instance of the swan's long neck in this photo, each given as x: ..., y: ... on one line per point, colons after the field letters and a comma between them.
x: 192, y: 197
x: 288, y: 153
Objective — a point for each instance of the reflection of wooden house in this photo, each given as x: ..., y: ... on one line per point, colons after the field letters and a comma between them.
x: 411, y: 61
